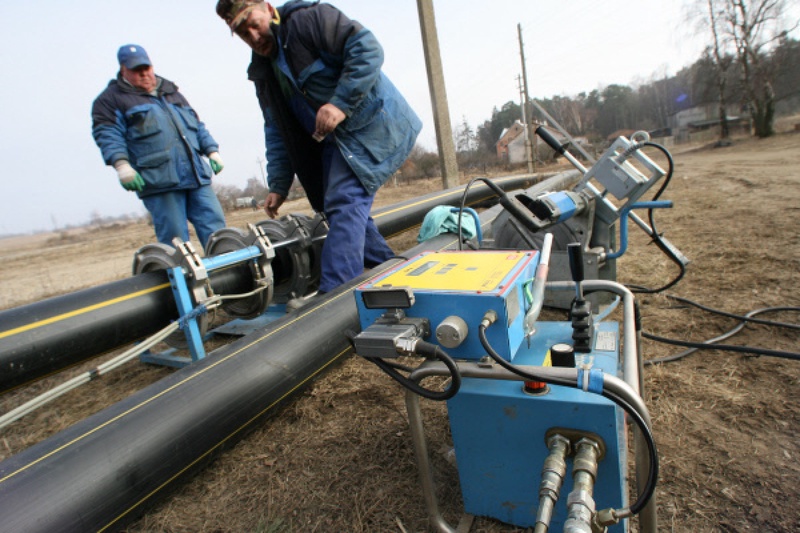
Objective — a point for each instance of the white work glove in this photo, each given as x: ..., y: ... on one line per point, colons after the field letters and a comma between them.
x: 128, y: 177
x: 216, y: 162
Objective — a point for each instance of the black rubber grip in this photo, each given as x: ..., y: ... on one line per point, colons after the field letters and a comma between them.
x: 550, y: 140
x: 575, y: 261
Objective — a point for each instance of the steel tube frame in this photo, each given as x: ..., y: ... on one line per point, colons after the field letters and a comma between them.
x: 629, y: 388
x: 51, y: 335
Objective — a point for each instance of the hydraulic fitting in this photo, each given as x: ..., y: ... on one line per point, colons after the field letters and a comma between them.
x: 580, y: 503
x: 553, y: 471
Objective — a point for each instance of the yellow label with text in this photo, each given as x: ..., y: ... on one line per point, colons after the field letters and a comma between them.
x: 449, y: 271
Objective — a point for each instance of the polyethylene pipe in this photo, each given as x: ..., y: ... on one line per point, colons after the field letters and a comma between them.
x: 53, y: 334
x: 102, y: 472
x: 105, y: 470
x: 402, y: 216
x: 48, y: 336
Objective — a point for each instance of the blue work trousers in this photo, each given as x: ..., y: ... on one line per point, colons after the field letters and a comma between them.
x: 353, y: 241
x: 171, y: 210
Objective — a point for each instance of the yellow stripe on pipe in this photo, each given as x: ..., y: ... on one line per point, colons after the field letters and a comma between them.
x: 78, y: 312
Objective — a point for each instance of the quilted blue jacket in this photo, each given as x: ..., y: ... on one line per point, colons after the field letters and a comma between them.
x: 160, y: 136
x: 327, y: 58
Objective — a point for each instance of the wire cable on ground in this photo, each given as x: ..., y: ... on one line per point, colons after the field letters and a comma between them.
x: 86, y: 377
x: 116, y: 362
x: 711, y: 344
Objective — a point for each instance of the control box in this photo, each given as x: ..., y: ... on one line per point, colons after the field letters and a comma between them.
x: 464, y: 285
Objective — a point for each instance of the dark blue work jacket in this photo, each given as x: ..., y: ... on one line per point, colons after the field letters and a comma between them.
x: 324, y: 57
x: 160, y: 136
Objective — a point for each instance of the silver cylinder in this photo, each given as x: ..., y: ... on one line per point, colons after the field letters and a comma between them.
x: 580, y: 503
x: 553, y: 471
x: 452, y: 331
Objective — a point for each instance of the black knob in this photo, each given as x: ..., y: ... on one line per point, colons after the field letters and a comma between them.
x: 562, y: 355
x: 575, y: 252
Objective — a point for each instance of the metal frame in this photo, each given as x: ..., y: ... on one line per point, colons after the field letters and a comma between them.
x: 631, y: 365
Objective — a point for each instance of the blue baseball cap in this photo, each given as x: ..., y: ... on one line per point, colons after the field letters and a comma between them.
x: 132, y: 56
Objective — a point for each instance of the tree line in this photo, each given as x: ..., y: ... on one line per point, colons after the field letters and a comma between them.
x: 750, y: 63
x: 647, y: 106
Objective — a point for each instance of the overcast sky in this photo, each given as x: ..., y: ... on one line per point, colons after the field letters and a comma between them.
x: 58, y: 56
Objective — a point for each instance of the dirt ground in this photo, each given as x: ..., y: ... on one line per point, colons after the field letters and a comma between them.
x: 340, y: 458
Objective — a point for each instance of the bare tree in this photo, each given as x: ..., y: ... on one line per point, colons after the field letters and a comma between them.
x: 722, y: 62
x: 465, y: 138
x: 755, y: 26
x: 744, y: 31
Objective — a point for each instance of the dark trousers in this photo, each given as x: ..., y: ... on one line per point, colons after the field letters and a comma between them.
x: 353, y: 241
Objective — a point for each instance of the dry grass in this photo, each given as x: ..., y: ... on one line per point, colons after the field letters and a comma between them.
x: 340, y: 458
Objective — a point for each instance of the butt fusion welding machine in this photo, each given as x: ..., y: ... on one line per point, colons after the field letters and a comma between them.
x: 529, y: 400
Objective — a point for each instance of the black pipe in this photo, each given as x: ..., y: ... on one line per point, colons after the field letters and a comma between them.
x: 107, y: 469
x: 51, y: 335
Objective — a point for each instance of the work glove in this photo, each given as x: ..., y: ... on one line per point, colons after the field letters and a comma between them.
x: 216, y: 162
x: 128, y: 177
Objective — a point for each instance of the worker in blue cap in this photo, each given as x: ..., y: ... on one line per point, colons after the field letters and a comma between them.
x: 149, y: 133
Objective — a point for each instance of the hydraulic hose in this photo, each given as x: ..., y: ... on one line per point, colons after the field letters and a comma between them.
x: 639, y: 419
x: 614, y: 389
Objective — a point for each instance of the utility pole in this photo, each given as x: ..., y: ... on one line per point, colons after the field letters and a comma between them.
x: 523, y: 106
x: 441, y: 113
x: 530, y: 143
x: 263, y: 172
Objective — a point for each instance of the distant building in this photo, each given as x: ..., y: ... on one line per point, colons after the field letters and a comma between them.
x: 702, y: 122
x: 244, y: 201
x: 511, y: 144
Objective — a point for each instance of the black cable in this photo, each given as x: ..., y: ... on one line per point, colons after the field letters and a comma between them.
x: 670, y: 168
x: 425, y: 349
x: 514, y: 369
x: 710, y: 344
x: 652, y: 477
x: 724, y: 347
x: 398, y: 366
x: 652, y: 452
x: 462, y: 205
x: 744, y: 318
